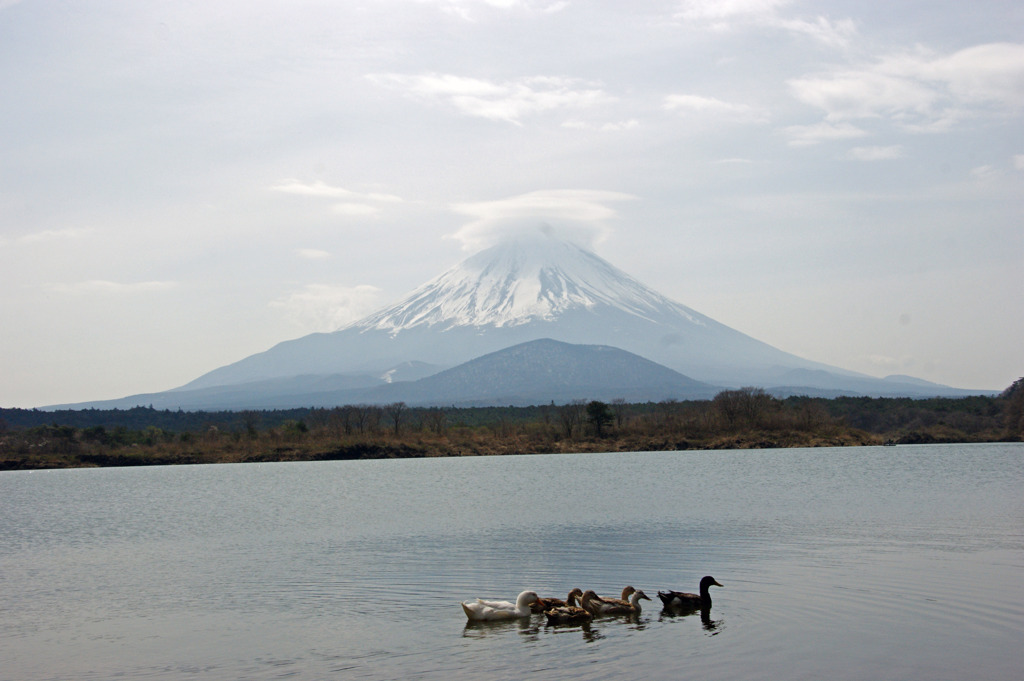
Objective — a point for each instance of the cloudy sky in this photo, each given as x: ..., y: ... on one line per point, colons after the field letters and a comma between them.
x: 184, y: 184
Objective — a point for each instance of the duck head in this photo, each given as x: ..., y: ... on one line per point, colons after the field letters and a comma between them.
x: 527, y: 597
x: 707, y: 582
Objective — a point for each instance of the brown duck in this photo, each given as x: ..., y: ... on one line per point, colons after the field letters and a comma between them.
x: 615, y: 606
x: 546, y: 604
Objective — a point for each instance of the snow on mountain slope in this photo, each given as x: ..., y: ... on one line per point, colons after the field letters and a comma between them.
x: 495, y: 306
x: 533, y: 288
x: 529, y: 279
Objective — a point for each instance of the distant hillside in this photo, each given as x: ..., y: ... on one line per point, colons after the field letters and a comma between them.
x: 543, y: 371
x: 536, y: 372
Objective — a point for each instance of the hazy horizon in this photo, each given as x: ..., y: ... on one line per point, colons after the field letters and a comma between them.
x: 186, y: 185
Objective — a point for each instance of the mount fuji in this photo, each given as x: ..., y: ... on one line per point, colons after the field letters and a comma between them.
x: 519, y: 291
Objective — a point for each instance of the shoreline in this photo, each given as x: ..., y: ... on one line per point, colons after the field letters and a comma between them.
x: 385, y: 448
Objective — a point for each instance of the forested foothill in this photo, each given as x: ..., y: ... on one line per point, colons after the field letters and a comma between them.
x: 734, y: 419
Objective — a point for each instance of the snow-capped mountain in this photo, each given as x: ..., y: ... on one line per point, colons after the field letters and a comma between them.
x: 509, y: 295
x: 525, y: 280
x: 522, y: 290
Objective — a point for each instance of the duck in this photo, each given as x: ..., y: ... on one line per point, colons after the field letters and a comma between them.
x: 614, y: 606
x: 482, y: 610
x: 624, y: 599
x: 596, y: 604
x: 545, y: 604
x: 678, y: 599
x: 568, y: 614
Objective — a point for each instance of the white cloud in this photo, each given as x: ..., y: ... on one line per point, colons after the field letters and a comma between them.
x: 508, y: 101
x: 864, y: 94
x: 719, y: 12
x: 984, y: 173
x: 463, y: 8
x: 876, y: 153
x: 805, y: 135
x: 723, y: 15
x: 323, y: 307
x: 985, y: 73
x: 355, y: 209
x: 618, y: 126
x: 320, y: 188
x: 552, y: 8
x: 355, y: 204
x: 55, y: 235
x: 886, y: 365
x: 576, y: 215
x: 104, y: 287
x: 920, y: 91
x: 712, y: 107
x: 1018, y: 161
x: 312, y: 253
x: 822, y: 29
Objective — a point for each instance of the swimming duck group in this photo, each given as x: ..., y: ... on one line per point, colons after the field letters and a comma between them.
x: 582, y: 606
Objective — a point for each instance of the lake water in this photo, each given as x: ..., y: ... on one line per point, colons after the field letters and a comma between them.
x: 853, y: 563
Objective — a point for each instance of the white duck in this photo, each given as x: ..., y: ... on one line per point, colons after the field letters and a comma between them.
x: 481, y: 610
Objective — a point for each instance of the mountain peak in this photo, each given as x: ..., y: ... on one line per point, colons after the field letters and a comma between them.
x: 501, y: 298
x: 522, y: 280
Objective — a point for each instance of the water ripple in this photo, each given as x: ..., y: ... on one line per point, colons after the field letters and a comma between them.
x: 843, y: 564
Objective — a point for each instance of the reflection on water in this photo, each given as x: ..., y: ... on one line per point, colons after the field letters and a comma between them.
x: 530, y: 629
x: 840, y: 563
x: 526, y: 627
x: 710, y: 626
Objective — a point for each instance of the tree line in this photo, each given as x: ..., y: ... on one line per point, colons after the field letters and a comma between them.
x: 741, y: 418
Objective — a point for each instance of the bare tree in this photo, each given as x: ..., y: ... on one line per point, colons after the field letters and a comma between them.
x: 812, y: 414
x: 1013, y: 414
x: 436, y: 419
x: 669, y: 409
x: 365, y: 417
x: 252, y: 420
x: 395, y: 410
x: 621, y: 410
x: 750, y: 405
x: 504, y: 427
x: 571, y: 416
x: 340, y: 420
